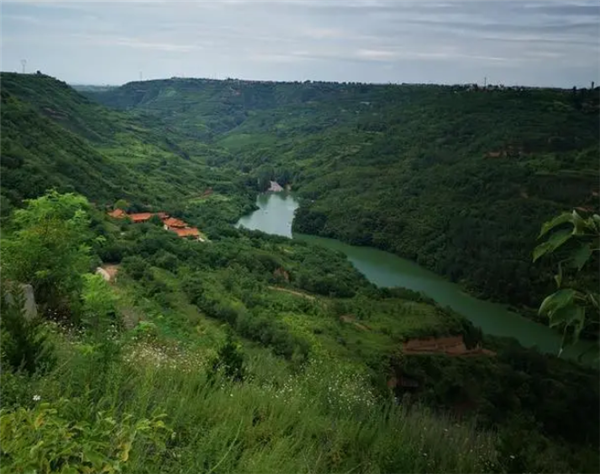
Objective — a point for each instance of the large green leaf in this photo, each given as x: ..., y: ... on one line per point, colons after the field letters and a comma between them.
x: 581, y: 225
x: 554, y: 241
x: 580, y: 256
x: 558, y: 220
x: 557, y: 300
x: 569, y: 315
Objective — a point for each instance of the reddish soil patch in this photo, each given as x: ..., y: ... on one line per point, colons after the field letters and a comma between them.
x: 451, y: 346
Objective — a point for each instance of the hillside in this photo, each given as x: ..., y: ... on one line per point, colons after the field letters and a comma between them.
x: 53, y: 137
x: 246, y: 352
x: 453, y: 177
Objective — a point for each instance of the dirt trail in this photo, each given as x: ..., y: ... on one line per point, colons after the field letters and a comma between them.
x: 292, y: 292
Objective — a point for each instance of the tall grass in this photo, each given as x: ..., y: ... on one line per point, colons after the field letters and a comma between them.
x: 324, y: 419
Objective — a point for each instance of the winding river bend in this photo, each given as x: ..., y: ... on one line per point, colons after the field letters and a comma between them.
x: 275, y: 215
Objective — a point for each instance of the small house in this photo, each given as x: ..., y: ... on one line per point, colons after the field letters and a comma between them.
x: 118, y: 214
x: 188, y: 232
x: 140, y: 217
x: 173, y: 223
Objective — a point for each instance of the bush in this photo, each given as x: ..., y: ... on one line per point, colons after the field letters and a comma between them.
x: 135, y: 266
x: 230, y: 360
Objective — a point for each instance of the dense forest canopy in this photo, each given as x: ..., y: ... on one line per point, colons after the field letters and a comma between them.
x: 255, y: 353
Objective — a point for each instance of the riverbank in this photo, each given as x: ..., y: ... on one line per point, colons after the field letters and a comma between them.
x: 384, y: 269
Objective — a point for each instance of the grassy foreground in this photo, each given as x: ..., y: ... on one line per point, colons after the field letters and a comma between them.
x: 131, y: 406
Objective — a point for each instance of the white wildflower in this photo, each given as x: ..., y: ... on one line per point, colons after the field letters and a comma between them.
x: 36, y: 398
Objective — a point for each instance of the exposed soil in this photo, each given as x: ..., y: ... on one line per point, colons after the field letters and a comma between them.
x: 450, y: 346
x: 111, y: 270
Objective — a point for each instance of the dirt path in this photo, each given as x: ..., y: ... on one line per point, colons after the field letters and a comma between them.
x: 292, y: 292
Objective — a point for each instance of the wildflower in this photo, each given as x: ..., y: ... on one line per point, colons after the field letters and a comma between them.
x: 36, y: 398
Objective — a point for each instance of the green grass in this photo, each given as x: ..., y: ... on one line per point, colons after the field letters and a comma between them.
x: 322, y: 420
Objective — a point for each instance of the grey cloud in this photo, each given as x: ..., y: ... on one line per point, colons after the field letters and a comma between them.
x: 369, y: 40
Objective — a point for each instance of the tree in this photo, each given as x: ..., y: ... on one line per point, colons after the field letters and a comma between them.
x: 121, y: 204
x: 570, y: 307
x: 49, y: 247
x: 230, y: 359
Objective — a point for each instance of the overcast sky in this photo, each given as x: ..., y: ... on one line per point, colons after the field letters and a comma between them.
x: 545, y: 42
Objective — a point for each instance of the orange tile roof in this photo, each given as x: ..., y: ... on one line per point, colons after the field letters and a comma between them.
x: 172, y: 222
x: 141, y: 217
x: 190, y: 232
x: 118, y: 214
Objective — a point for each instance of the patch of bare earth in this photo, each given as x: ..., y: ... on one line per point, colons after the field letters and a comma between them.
x: 450, y: 346
x: 111, y: 270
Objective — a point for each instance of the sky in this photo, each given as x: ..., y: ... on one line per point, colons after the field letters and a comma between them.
x: 526, y: 42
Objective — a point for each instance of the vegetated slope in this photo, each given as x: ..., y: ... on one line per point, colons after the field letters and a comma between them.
x: 302, y: 381
x: 53, y: 137
x: 302, y: 387
x: 457, y: 178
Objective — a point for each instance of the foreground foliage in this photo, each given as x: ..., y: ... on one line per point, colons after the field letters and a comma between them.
x: 574, y: 307
x: 194, y: 360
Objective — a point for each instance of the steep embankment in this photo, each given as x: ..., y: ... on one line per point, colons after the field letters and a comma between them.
x: 456, y: 178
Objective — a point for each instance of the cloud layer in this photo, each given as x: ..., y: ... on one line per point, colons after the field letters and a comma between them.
x: 547, y: 42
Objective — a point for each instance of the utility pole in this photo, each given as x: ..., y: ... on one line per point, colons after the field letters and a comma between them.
x: 485, y: 82
x: 141, y: 76
x: 23, y: 64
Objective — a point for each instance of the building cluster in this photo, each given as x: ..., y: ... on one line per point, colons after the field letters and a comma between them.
x: 181, y: 228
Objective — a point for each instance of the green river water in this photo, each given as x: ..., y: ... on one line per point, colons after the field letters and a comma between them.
x: 275, y: 215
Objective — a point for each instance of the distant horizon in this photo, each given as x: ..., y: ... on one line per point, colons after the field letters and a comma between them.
x: 489, y: 83
x: 532, y: 43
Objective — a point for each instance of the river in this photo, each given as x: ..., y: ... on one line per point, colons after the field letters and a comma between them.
x: 275, y: 215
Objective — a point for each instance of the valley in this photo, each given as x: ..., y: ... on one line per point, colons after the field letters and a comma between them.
x: 359, y: 324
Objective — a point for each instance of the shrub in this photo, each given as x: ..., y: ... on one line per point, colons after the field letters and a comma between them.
x: 41, y: 440
x: 230, y: 360
x: 135, y: 266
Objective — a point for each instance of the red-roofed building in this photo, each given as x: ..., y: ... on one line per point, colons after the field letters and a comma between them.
x: 189, y: 232
x: 162, y: 215
x: 118, y: 214
x: 141, y: 217
x: 171, y: 222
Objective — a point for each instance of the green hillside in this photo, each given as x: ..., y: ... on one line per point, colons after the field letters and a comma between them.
x: 455, y: 178
x: 247, y: 352
x: 53, y: 137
